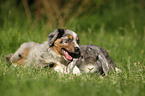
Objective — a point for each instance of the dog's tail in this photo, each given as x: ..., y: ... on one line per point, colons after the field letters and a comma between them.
x: 7, y: 58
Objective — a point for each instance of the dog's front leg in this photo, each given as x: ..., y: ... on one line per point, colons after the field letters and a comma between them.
x: 72, y: 68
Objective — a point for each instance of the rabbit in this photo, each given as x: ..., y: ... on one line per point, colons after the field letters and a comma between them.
x: 95, y: 59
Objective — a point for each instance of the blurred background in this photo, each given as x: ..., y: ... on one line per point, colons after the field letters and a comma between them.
x: 82, y: 14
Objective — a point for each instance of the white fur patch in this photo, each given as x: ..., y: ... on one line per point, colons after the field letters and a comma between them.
x: 76, y: 71
x: 60, y: 69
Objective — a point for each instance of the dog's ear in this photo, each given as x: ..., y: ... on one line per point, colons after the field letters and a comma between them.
x: 58, y: 33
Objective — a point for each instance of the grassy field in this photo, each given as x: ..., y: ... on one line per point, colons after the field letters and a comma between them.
x: 124, y: 42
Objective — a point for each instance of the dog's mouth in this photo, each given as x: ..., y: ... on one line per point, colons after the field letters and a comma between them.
x: 70, y: 55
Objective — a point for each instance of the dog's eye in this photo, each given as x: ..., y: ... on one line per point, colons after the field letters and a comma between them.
x: 61, y: 41
x: 68, y: 40
x: 78, y: 40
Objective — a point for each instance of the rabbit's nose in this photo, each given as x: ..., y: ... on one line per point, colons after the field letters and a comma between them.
x: 91, y: 68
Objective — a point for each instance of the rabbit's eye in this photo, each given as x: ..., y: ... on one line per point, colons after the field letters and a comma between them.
x: 82, y: 57
x: 90, y: 49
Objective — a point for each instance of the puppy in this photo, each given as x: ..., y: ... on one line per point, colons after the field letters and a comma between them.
x: 61, y: 50
x: 95, y: 59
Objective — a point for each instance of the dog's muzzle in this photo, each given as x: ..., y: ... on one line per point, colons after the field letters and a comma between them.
x: 70, y: 55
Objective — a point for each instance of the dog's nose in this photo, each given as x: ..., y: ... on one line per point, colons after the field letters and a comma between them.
x: 76, y: 49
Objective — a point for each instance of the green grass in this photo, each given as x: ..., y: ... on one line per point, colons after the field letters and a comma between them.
x: 126, y: 50
x: 125, y: 42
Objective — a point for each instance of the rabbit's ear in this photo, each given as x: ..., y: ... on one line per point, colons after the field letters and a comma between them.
x: 58, y: 33
x: 104, y: 62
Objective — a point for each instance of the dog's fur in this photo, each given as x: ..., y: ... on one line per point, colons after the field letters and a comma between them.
x: 60, y: 52
x: 95, y: 59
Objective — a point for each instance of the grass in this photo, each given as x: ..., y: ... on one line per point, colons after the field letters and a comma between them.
x: 126, y: 50
x: 125, y: 44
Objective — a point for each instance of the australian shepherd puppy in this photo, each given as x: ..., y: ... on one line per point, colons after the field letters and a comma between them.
x: 60, y: 52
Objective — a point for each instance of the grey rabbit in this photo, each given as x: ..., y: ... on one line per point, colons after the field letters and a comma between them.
x: 95, y: 59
